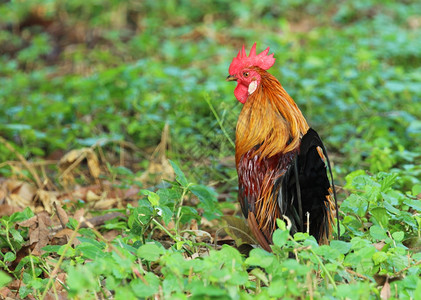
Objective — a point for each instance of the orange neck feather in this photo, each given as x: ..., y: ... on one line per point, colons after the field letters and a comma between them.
x: 269, y: 118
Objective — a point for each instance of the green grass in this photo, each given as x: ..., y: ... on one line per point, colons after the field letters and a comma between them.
x: 112, y: 75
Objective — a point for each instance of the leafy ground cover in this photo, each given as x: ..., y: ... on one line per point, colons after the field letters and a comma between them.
x: 117, y: 177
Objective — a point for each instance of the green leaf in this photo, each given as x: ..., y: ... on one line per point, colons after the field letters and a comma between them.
x: 21, y: 216
x: 416, y: 189
x: 379, y: 257
x: 90, y: 251
x: 205, y: 194
x: 381, y: 216
x: 341, y: 246
x: 142, y: 289
x: 9, y: 257
x: 414, y: 204
x: 166, y: 213
x: 150, y: 252
x: 327, y: 252
x: 16, y: 235
x: 179, y: 175
x: 259, y: 257
x: 152, y: 197
x: 277, y: 289
x: 398, y: 236
x: 280, y: 237
x: 417, y: 292
x: 51, y: 248
x: 378, y: 233
x: 4, y: 279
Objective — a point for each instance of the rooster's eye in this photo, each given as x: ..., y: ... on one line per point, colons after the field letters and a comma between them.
x: 246, y: 74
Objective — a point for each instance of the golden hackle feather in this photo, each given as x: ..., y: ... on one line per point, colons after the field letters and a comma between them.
x: 269, y: 118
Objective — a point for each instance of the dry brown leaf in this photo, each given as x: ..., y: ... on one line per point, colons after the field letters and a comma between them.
x: 73, y: 158
x: 239, y: 231
x: 7, y: 210
x: 93, y: 164
x: 63, y: 236
x: 79, y: 214
x: 60, y: 280
x: 105, y: 203
x: 66, y: 232
x: 5, y: 292
x: 40, y: 234
x: 61, y: 295
x: 385, y: 293
x: 47, y: 199
x: 20, y: 193
x: 193, y: 225
x: 91, y: 196
x: 199, y: 236
x: 30, y: 222
x: 379, y: 246
x: 62, y: 215
x: 111, y: 234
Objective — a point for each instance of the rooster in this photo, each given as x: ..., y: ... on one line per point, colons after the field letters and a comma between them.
x: 281, y: 162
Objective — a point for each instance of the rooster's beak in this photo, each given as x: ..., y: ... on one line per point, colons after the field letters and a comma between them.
x: 231, y: 78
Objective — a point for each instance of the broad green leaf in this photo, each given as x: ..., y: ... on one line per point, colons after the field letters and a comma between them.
x: 341, y: 246
x: 51, y: 248
x: 9, y: 257
x: 381, y: 216
x: 416, y: 189
x: 179, y: 175
x: 90, y: 251
x: 150, y: 252
x: 259, y: 257
x: 379, y: 257
x: 17, y: 237
x: 4, y: 279
x: 152, y: 197
x: 414, y: 204
x: 378, y: 233
x: 398, y: 236
x: 142, y: 289
x: 280, y: 237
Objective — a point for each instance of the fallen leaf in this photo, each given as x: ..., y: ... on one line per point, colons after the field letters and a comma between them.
x: 7, y: 209
x: 379, y: 246
x: 79, y: 214
x: 73, y: 158
x: 20, y: 193
x: 93, y: 164
x: 47, y: 199
x: 61, y: 214
x: 5, y: 292
x: 63, y: 236
x: 91, y: 196
x: 30, y: 222
x: 385, y: 292
x: 40, y: 234
x: 106, y: 203
x: 239, y: 231
x: 199, y: 236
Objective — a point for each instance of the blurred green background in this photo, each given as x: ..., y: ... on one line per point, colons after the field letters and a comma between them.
x: 76, y: 73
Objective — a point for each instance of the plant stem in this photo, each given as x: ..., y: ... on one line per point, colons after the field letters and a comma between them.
x: 219, y: 120
x: 165, y: 230
x: 60, y: 261
x: 332, y: 281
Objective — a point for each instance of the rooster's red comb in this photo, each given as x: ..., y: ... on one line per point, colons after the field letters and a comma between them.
x: 262, y: 60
